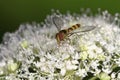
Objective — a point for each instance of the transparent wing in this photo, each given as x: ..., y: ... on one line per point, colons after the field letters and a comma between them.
x: 83, y: 29
x: 58, y: 22
x: 87, y: 28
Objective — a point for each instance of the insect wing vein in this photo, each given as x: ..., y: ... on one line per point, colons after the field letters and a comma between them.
x: 58, y: 22
x: 83, y: 29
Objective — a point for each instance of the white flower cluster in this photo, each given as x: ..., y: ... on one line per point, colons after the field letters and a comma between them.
x: 32, y: 52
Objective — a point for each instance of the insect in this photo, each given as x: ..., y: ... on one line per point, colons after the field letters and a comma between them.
x: 65, y: 33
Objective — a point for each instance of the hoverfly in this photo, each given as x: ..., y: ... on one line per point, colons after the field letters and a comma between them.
x: 65, y: 33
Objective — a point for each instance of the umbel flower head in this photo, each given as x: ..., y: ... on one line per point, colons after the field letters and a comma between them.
x: 32, y: 52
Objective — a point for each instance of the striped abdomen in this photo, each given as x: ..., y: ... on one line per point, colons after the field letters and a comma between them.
x: 73, y: 27
x: 63, y: 33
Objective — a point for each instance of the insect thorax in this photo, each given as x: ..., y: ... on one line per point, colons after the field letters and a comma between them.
x: 61, y: 35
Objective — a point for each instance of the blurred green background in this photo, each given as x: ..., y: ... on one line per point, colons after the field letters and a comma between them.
x: 15, y: 12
